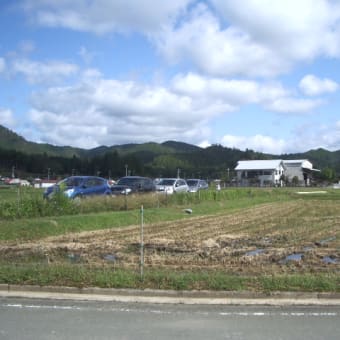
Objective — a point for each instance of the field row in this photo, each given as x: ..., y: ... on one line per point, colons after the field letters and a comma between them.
x: 257, y: 240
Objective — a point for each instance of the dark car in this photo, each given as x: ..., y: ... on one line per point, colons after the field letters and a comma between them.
x: 80, y: 186
x: 197, y: 184
x: 132, y: 184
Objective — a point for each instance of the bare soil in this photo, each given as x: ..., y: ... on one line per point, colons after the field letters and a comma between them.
x: 286, y: 237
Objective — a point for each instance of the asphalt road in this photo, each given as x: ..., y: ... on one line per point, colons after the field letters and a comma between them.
x: 58, y: 319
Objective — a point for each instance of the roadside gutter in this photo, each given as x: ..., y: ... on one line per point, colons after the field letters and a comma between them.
x: 170, y: 296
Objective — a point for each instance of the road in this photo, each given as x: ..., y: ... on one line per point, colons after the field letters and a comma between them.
x: 58, y: 319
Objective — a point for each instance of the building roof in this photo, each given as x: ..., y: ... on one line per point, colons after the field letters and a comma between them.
x: 305, y: 163
x: 294, y: 160
x: 271, y: 164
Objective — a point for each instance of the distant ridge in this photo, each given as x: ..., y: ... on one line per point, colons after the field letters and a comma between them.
x: 163, y: 154
x: 182, y: 147
x: 10, y: 140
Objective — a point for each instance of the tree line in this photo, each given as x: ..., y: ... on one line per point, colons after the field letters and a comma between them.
x: 210, y: 163
x: 114, y: 165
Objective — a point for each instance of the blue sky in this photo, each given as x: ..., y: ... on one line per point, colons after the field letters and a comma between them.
x: 262, y: 75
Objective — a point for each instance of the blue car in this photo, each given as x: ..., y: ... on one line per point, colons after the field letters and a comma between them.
x: 80, y: 186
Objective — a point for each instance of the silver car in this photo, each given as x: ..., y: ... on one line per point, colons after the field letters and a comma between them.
x: 172, y: 185
x: 197, y: 184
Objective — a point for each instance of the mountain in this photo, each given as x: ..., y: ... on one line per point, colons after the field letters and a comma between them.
x: 9, y: 140
x: 181, y: 147
x: 148, y: 158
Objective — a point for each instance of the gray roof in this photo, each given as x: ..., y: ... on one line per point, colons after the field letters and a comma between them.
x: 305, y: 163
x: 288, y: 161
x: 271, y: 164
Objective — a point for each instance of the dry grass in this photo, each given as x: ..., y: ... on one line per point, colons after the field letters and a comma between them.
x: 223, y: 242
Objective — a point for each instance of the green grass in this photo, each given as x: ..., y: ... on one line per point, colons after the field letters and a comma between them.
x: 108, y: 277
x: 35, y: 228
x: 329, y: 282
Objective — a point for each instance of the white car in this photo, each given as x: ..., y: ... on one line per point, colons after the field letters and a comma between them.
x: 172, y: 185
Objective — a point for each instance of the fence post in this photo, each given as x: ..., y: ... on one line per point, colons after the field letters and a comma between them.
x: 142, y: 243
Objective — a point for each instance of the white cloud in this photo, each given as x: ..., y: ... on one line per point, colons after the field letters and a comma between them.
x: 293, y: 105
x: 90, y: 74
x: 39, y: 72
x: 100, y: 111
x: 112, y: 111
x: 7, y: 118
x: 86, y: 55
x: 258, y: 142
x: 257, y: 38
x: 305, y: 137
x: 234, y: 53
x: 313, y: 136
x: 279, y: 25
x: 2, y: 64
x: 220, y: 37
x: 232, y: 94
x: 313, y: 86
x: 217, y: 51
x: 330, y: 137
x: 103, y: 16
x: 204, y: 144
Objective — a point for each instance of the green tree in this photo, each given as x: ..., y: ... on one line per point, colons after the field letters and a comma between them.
x: 328, y: 174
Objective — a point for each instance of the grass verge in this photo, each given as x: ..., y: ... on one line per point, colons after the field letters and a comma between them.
x: 82, y: 276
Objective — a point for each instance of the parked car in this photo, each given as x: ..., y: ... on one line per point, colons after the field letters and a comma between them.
x: 197, y: 184
x: 172, y: 185
x: 131, y: 184
x: 80, y: 186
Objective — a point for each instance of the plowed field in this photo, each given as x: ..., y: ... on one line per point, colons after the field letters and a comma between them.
x: 285, y: 237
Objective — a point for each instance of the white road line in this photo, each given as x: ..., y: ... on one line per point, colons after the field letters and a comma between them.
x: 135, y: 310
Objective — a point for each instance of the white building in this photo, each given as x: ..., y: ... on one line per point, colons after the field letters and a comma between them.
x: 18, y: 181
x: 262, y: 172
x: 44, y: 183
x: 299, y: 170
x: 275, y: 172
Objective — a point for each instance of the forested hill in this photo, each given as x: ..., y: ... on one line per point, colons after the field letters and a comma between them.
x: 9, y: 140
x: 152, y: 159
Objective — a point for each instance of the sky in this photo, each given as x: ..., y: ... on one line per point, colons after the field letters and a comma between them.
x: 251, y: 74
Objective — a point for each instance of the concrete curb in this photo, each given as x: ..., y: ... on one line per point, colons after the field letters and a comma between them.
x: 170, y: 297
